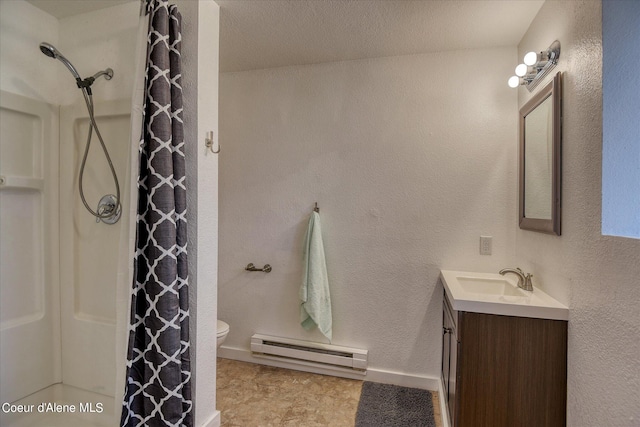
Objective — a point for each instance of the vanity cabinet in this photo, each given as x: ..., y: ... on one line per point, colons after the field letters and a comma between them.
x: 502, y: 370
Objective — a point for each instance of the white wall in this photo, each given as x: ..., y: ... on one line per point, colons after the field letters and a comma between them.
x: 94, y: 41
x: 29, y: 288
x: 23, y: 68
x: 91, y: 41
x: 200, y: 35
x: 90, y: 251
x: 597, y: 276
x: 29, y: 247
x: 410, y: 161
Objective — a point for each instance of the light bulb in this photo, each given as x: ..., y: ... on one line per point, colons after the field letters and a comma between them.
x: 521, y: 70
x: 514, y: 81
x: 531, y: 58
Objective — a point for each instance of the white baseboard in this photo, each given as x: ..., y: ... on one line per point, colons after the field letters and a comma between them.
x: 214, y: 421
x: 372, y: 374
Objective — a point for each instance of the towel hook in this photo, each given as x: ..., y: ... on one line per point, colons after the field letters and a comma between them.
x: 316, y: 209
x: 208, y: 142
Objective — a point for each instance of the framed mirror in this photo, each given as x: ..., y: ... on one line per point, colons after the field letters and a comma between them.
x: 540, y: 160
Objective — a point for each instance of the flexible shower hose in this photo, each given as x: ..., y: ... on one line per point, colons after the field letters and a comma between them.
x: 88, y: 99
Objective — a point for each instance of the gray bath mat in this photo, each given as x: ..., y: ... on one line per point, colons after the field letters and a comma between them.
x: 385, y: 405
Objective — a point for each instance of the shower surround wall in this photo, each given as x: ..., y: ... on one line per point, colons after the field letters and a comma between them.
x: 29, y: 309
x: 88, y: 251
x: 410, y: 161
x: 90, y: 264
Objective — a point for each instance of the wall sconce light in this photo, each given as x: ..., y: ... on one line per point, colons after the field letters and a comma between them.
x: 535, y: 67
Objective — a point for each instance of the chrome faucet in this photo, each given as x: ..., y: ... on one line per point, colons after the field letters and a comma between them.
x: 524, y: 280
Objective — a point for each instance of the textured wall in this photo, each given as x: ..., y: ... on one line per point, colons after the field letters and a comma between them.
x: 410, y: 161
x: 200, y: 34
x: 597, y: 276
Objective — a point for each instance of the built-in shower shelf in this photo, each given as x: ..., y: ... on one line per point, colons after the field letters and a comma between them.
x: 21, y: 182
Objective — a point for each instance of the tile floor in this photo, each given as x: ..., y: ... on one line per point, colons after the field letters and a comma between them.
x: 251, y: 395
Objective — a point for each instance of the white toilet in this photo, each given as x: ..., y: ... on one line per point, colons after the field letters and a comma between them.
x: 223, y: 330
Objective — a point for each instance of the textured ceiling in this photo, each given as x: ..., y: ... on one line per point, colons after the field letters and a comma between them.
x: 64, y: 8
x: 276, y: 33
x: 258, y: 34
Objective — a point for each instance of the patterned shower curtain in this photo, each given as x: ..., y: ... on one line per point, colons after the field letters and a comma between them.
x: 158, y: 387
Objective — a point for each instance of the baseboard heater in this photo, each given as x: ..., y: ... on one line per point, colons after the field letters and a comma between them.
x: 309, y: 353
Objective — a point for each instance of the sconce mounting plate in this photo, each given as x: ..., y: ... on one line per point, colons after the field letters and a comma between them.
x: 543, y: 67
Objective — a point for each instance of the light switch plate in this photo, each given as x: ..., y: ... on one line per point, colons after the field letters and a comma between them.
x: 485, y: 245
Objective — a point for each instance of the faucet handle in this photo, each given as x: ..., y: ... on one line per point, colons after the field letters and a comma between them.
x: 528, y: 285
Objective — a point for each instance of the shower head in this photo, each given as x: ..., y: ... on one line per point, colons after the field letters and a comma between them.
x: 52, y: 52
x: 48, y: 50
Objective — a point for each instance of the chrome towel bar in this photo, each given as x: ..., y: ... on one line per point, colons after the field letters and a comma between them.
x: 251, y: 267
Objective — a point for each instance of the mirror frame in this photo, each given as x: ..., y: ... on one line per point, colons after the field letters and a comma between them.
x: 549, y: 226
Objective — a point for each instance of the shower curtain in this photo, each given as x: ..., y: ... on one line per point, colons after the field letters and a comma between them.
x: 158, y: 372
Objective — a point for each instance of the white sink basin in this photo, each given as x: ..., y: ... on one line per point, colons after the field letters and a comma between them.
x: 492, y: 293
x: 486, y: 286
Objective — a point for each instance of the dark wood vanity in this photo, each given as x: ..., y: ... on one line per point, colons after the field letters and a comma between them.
x: 502, y: 370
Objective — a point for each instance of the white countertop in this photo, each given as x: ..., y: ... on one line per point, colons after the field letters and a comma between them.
x: 498, y: 294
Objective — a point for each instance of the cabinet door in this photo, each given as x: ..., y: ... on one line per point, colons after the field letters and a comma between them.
x: 446, y: 337
x: 512, y: 371
x: 449, y: 359
x: 453, y: 364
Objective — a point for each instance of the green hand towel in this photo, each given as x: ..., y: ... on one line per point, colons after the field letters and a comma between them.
x: 315, y: 306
